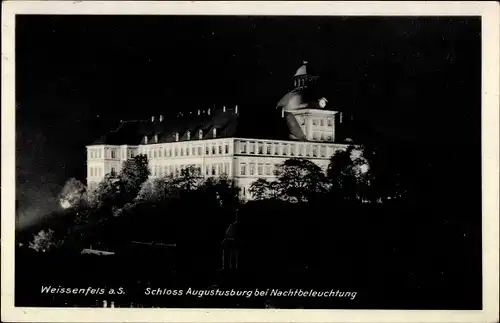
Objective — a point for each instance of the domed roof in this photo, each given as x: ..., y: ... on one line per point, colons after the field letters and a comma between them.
x: 291, y: 101
x: 302, y: 70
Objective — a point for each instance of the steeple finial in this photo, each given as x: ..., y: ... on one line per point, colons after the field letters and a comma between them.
x: 305, y: 62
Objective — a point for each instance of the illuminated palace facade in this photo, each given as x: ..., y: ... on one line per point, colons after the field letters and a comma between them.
x: 240, y: 143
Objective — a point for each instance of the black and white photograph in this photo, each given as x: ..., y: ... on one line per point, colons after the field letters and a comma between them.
x: 243, y: 160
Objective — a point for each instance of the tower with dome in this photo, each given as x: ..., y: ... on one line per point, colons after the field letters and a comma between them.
x: 230, y: 140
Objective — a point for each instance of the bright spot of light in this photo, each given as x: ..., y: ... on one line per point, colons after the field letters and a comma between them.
x: 65, y: 204
x: 364, y: 168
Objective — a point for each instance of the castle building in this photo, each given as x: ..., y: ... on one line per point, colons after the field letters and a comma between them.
x: 227, y: 140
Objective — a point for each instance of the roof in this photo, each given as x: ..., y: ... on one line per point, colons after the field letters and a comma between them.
x: 301, y: 71
x: 228, y: 123
x: 298, y: 97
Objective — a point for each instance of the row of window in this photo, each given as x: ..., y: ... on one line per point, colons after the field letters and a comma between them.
x: 283, y: 149
x: 210, y: 169
x: 98, y: 172
x: 96, y: 153
x: 262, y: 169
x: 176, y: 136
x: 322, y: 136
x: 322, y: 122
x: 214, y: 149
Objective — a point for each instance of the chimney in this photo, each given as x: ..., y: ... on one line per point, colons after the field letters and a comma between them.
x: 199, y: 111
x: 153, y: 119
x: 214, y: 131
x: 189, y: 135
x: 208, y: 112
x: 146, y: 140
x: 223, y: 108
x: 176, y: 136
x: 340, y: 119
x: 161, y: 117
x: 236, y: 109
x: 282, y: 112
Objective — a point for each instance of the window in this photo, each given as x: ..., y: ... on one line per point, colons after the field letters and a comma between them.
x: 226, y: 149
x: 321, y: 122
x: 132, y: 154
x: 213, y: 150
x: 243, y: 148
x: 226, y: 168
x: 315, y: 151
x: 199, y: 151
x: 207, y: 168
x: 276, y: 149
x: 213, y: 170
x: 315, y: 122
x: 261, y: 148
x: 330, y: 122
x: 301, y: 150
x: 154, y: 153
x: 243, y: 168
x: 252, y: 169
x: 207, y: 150
x: 260, y: 169
x: 323, y: 151
x: 268, y: 149
x: 308, y: 150
x: 182, y: 151
x: 187, y: 151
x: 251, y: 148
x: 165, y: 170
x: 292, y: 150
x: 329, y: 138
x: 268, y: 169
x: 220, y: 150
x: 113, y: 154
x: 112, y: 170
x: 193, y: 151
x: 176, y: 152
x: 285, y: 149
x: 165, y: 152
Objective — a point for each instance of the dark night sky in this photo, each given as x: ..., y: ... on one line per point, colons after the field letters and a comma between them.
x: 413, y: 80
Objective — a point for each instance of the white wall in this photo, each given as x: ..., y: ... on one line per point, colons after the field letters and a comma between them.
x: 214, y: 157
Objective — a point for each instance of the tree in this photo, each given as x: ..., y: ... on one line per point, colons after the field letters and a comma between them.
x: 73, y: 194
x: 348, y: 175
x: 260, y: 189
x: 45, y: 241
x: 158, y: 189
x: 110, y: 192
x: 133, y: 174
x: 299, y: 180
